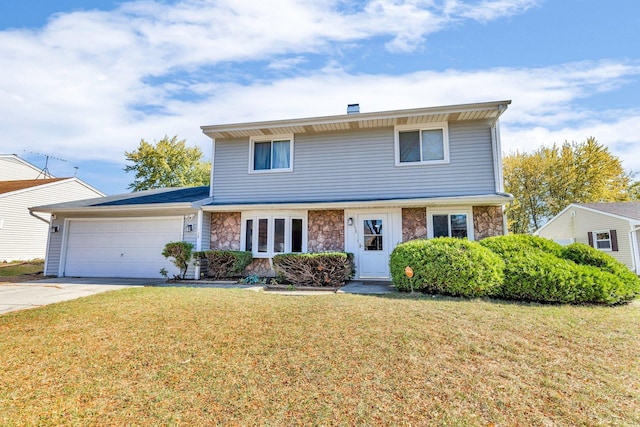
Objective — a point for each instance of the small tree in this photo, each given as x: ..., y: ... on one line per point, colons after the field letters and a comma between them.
x: 181, y: 253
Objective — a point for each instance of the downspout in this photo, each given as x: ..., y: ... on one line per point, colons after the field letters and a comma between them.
x: 46, y: 258
x: 633, y: 238
x: 198, y: 242
x: 497, y: 164
x: 213, y: 161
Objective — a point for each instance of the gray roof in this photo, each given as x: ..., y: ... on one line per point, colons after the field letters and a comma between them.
x: 147, y: 197
x: 629, y: 210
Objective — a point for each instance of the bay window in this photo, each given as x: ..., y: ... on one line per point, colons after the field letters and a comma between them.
x: 270, y: 233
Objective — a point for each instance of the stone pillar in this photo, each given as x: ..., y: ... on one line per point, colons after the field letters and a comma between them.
x: 325, y: 231
x: 487, y: 221
x: 225, y: 230
x: 414, y: 223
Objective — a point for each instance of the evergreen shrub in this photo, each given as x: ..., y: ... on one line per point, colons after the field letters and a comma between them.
x: 446, y: 265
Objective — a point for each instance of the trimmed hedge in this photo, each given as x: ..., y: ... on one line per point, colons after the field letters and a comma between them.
x: 223, y: 264
x: 538, y: 269
x: 325, y: 269
x: 446, y: 265
x: 181, y: 253
x: 586, y: 255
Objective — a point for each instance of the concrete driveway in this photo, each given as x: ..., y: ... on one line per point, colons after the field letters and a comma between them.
x: 20, y: 296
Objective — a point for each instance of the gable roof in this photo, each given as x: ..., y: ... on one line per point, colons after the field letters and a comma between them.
x: 183, y: 197
x: 630, y: 210
x: 450, y: 113
x: 22, y: 184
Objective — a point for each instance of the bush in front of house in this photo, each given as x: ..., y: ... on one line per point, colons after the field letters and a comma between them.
x: 446, y: 265
x: 324, y: 269
x: 535, y: 270
x: 181, y: 253
x: 225, y: 264
x: 586, y: 255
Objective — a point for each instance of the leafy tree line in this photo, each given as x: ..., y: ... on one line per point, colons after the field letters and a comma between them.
x: 167, y: 163
x: 547, y: 180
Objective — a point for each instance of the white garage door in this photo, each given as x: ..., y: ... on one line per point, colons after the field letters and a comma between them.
x: 120, y: 248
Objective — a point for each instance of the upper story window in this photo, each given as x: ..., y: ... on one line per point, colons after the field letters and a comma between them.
x: 422, y: 144
x: 273, y: 154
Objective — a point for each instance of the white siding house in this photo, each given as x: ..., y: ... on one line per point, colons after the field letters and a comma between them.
x: 613, y: 228
x: 24, y: 236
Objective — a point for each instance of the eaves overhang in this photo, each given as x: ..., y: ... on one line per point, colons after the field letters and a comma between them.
x: 498, y: 199
x: 154, y: 207
x: 451, y: 113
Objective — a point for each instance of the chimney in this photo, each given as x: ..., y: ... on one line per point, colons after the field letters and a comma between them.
x: 353, y: 108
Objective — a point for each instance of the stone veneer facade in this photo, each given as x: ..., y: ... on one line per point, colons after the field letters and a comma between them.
x: 325, y: 231
x: 487, y: 221
x: 414, y: 224
x: 225, y: 230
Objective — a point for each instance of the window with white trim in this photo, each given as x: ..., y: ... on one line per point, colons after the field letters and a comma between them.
x: 422, y: 144
x: 272, y: 154
x: 267, y: 234
x: 450, y: 223
x: 602, y: 240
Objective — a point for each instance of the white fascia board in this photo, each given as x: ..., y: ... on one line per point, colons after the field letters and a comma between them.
x: 397, y: 203
x: 123, y: 208
x: 499, y: 106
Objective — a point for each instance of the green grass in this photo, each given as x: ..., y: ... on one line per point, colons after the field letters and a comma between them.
x: 19, y: 268
x: 184, y: 356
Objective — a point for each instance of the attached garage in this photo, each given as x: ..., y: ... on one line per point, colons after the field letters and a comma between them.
x: 119, y: 247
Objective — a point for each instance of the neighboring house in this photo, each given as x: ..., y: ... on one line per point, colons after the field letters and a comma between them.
x: 23, y: 235
x: 613, y: 228
x: 360, y: 182
x: 13, y: 168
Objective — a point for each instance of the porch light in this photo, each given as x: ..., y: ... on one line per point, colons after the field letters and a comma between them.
x: 350, y: 221
x: 188, y: 228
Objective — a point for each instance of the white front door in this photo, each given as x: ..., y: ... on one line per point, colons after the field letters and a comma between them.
x: 373, y: 232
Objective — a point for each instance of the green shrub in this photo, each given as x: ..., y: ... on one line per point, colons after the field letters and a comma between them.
x: 222, y: 264
x: 520, y: 242
x: 446, y: 265
x: 586, y: 255
x: 331, y: 269
x: 181, y: 253
x: 537, y: 271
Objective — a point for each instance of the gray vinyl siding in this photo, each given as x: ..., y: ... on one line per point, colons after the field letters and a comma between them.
x: 206, y: 231
x: 357, y: 165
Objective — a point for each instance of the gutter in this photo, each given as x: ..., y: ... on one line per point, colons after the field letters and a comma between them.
x: 39, y: 217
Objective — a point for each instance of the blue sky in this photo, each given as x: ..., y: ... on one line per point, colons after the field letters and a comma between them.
x: 84, y: 81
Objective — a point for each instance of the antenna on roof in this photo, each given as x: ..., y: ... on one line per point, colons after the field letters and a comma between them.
x: 45, y: 171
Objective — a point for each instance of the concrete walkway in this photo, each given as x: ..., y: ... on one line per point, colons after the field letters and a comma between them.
x: 20, y: 296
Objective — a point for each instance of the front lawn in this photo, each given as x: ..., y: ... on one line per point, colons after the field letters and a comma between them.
x: 185, y: 356
x: 21, y: 271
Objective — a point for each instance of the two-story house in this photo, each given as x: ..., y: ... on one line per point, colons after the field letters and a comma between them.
x: 359, y: 182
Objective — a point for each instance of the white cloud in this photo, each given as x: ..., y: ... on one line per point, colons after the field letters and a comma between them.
x: 91, y: 84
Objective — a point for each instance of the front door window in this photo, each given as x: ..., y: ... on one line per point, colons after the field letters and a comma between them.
x: 373, y: 240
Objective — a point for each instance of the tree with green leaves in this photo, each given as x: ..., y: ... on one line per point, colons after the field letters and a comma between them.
x: 546, y: 181
x: 167, y: 163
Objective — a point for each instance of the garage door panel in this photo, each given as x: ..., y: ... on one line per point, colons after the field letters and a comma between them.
x: 120, y: 248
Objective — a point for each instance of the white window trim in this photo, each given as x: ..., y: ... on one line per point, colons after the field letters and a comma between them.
x: 270, y: 138
x: 595, y: 240
x: 271, y: 216
x: 420, y: 127
x: 450, y: 211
